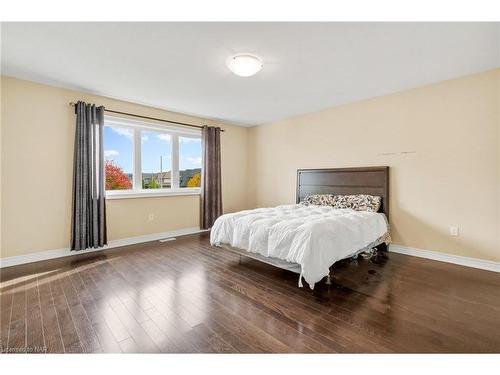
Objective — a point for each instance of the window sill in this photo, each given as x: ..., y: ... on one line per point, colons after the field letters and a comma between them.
x: 150, y: 194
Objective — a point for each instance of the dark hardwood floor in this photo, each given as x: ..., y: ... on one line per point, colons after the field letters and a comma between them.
x: 184, y: 296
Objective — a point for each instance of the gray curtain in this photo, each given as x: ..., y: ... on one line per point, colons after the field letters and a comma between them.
x: 211, y: 193
x: 88, y: 224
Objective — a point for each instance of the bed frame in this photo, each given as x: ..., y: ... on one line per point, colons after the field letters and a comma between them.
x: 340, y: 181
x: 345, y: 181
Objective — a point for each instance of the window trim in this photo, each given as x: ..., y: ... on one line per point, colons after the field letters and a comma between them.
x: 150, y: 193
x: 175, y: 132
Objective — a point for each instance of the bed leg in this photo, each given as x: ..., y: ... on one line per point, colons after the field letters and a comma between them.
x: 329, y: 278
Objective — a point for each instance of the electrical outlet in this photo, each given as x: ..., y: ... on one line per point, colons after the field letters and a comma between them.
x: 454, y: 231
x: 151, y: 217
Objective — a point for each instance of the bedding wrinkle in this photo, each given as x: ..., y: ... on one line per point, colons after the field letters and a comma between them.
x: 315, y: 237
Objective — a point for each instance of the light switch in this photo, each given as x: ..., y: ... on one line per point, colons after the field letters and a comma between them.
x: 454, y: 231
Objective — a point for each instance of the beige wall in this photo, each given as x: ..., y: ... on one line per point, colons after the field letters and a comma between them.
x: 451, y: 179
x: 37, y: 126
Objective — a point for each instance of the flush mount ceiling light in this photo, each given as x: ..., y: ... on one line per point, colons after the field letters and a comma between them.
x: 244, y: 65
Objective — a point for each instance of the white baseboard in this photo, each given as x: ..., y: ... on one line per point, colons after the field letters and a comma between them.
x: 487, y: 265
x: 59, y: 253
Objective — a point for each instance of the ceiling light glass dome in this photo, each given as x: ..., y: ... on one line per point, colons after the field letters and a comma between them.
x: 244, y: 65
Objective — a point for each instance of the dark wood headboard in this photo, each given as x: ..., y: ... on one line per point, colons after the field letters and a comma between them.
x: 344, y: 181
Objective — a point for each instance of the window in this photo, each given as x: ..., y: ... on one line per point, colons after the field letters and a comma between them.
x: 156, y: 160
x: 118, y: 155
x: 189, y: 162
x: 149, y: 159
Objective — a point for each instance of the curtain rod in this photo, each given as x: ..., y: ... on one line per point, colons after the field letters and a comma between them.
x: 149, y: 118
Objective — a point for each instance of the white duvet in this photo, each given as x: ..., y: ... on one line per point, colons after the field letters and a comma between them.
x: 315, y: 237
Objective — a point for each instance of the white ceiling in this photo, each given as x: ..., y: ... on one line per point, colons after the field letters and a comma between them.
x: 307, y: 66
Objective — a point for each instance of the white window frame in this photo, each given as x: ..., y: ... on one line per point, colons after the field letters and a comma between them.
x: 136, y: 127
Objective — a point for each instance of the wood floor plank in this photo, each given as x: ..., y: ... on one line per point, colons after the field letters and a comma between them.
x: 273, y: 326
x: 282, y: 306
x: 69, y: 335
x: 140, y: 336
x: 171, y: 302
x: 342, y: 334
x: 354, y: 327
x: 258, y: 338
x: 141, y: 339
x: 173, y: 332
x: 216, y: 344
x: 107, y: 342
x: 35, y: 339
x: 50, y: 324
x: 5, y: 315
x: 88, y: 338
x: 129, y: 346
x: 161, y: 340
x: 239, y: 344
x: 109, y: 316
x: 185, y: 296
x: 16, y: 342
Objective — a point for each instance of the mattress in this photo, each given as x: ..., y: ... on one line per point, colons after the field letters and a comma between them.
x: 314, y: 237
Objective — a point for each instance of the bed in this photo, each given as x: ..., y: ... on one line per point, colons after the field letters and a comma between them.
x: 309, y: 238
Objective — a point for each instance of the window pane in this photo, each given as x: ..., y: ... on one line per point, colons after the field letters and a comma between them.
x: 189, y: 162
x: 156, y: 160
x: 118, y: 155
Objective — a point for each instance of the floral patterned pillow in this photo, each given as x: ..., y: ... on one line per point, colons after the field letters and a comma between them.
x: 319, y: 199
x: 358, y: 202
